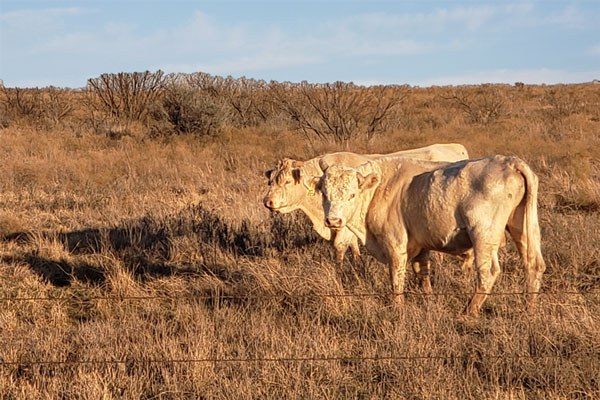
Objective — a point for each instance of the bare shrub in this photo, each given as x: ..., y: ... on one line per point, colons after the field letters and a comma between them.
x: 248, y: 100
x: 210, y: 84
x: 483, y: 105
x: 339, y: 111
x: 188, y: 110
x: 126, y: 94
x: 22, y: 103
x: 419, y: 112
x: 560, y: 103
x: 42, y: 107
x: 110, y: 127
x: 56, y: 104
x: 5, y: 118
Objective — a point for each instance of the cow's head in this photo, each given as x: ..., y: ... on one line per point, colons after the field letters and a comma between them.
x: 342, y: 188
x: 287, y: 186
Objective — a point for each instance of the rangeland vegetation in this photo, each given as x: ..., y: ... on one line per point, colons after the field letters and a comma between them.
x: 137, y: 202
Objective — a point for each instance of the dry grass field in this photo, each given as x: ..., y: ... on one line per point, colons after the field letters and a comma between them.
x: 158, y: 252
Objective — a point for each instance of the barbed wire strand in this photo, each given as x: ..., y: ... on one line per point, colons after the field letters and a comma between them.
x: 294, y: 359
x: 219, y: 296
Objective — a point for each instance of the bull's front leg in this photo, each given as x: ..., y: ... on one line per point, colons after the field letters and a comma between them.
x: 355, y: 248
x: 343, y: 239
x: 397, y: 268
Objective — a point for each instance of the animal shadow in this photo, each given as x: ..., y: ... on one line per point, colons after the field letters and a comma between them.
x: 145, y: 246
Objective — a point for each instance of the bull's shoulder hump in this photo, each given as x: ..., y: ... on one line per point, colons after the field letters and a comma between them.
x: 347, y: 159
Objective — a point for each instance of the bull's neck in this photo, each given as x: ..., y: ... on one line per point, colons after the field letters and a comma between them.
x: 373, y: 211
x: 313, y: 208
x: 358, y: 222
x: 312, y: 205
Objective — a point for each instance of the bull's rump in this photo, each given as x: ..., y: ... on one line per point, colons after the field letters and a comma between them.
x: 440, y: 208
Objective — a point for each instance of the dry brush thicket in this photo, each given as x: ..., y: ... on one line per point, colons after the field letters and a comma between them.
x: 163, y: 199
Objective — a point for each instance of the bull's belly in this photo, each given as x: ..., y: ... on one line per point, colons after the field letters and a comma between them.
x: 456, y: 243
x: 453, y: 241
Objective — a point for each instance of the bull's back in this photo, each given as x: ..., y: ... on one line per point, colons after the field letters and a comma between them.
x: 347, y: 159
x: 446, y: 152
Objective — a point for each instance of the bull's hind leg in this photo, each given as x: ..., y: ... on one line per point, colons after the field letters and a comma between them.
x: 421, y: 265
x: 467, y: 262
x: 487, y: 267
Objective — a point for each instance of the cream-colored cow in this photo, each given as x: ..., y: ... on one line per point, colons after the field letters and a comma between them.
x: 289, y: 189
x: 400, y: 207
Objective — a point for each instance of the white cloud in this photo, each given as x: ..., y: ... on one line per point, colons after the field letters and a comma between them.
x: 36, y: 19
x: 243, y: 64
x: 570, y: 16
x: 470, y: 18
x: 202, y: 43
x: 208, y: 44
x: 594, y: 50
x: 25, y: 15
x: 531, y: 76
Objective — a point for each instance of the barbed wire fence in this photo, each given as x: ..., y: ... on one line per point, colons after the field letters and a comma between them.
x: 217, y: 296
x: 258, y: 360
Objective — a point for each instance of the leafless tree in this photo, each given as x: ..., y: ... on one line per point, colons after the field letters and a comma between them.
x: 248, y: 99
x: 127, y: 94
x: 57, y: 104
x: 339, y: 111
x: 481, y: 106
x: 22, y: 102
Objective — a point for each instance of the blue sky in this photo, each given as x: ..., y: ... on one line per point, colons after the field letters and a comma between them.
x: 63, y: 43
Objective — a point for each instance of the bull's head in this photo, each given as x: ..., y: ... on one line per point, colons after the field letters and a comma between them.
x: 286, y: 186
x: 341, y: 188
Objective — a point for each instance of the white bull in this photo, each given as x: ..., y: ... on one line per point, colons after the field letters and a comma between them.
x: 289, y: 188
x: 399, y: 208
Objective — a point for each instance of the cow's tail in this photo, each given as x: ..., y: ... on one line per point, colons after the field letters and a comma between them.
x: 531, y: 238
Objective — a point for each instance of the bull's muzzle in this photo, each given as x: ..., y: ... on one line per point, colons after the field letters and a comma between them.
x: 269, y: 203
x: 273, y: 204
x: 333, y: 222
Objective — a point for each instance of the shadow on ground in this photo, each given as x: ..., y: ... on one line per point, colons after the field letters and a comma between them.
x: 145, y: 246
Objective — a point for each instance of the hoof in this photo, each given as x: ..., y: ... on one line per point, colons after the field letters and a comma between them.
x: 426, y: 285
x: 398, y: 300
x: 470, y: 312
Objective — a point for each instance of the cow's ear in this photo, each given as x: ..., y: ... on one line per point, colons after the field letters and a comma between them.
x: 367, y: 182
x: 296, y: 174
x: 268, y: 173
x: 314, y: 183
x: 323, y: 164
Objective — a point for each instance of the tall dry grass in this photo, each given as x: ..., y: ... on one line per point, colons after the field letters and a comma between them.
x: 85, y: 215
